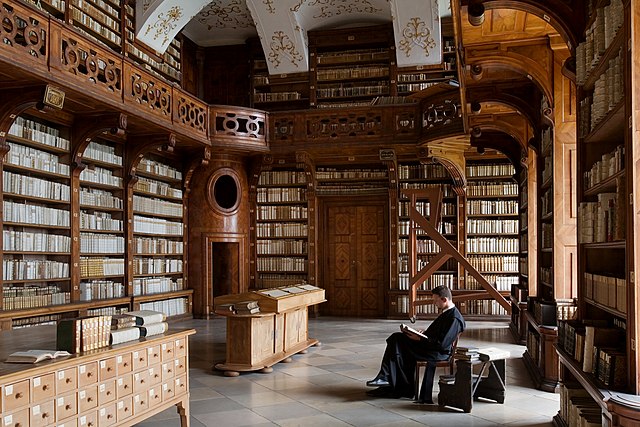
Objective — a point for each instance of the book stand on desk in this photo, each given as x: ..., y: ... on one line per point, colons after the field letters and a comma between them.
x: 460, y: 390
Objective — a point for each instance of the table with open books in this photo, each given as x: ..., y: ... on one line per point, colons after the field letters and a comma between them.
x: 267, y: 326
x: 459, y: 390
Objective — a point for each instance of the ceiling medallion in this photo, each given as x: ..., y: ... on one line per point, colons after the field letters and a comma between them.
x: 282, y: 46
x: 416, y: 33
x: 164, y: 26
x: 234, y: 15
x: 329, y: 8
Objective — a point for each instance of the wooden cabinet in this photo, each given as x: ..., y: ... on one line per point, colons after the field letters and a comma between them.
x: 93, y: 389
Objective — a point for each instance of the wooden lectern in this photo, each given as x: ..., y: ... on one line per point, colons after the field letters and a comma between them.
x: 257, y: 341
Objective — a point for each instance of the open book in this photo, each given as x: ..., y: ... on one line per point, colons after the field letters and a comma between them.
x: 35, y: 356
x: 408, y: 329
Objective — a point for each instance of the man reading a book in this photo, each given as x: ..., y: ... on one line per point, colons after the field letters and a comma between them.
x: 404, y: 349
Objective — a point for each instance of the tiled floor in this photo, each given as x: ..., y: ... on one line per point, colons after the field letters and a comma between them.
x: 326, y: 386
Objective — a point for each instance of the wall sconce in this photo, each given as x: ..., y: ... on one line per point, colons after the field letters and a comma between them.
x: 476, y: 13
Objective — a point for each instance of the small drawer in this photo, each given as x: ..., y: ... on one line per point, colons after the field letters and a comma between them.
x: 107, y: 368
x: 16, y: 419
x: 168, y: 371
x: 88, y: 398
x: 124, y: 385
x: 155, y: 396
x: 107, y: 415
x: 66, y: 407
x: 180, y: 366
x: 124, y: 363
x: 180, y: 385
x: 168, y: 390
x: 69, y: 423
x: 140, y: 381
x: 66, y: 380
x: 16, y: 395
x: 155, y: 375
x: 42, y: 414
x: 124, y: 408
x: 140, y: 403
x: 87, y: 374
x: 139, y: 359
x: 167, y: 350
x: 180, y: 347
x: 153, y: 355
x: 88, y: 420
x: 43, y: 387
x: 107, y: 392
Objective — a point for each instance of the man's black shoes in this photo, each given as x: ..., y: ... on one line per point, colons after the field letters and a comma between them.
x: 378, y: 382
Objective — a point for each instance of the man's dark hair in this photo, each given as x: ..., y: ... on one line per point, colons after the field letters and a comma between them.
x: 443, y: 292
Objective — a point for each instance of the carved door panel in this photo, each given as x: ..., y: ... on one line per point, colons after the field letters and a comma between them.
x: 355, y: 260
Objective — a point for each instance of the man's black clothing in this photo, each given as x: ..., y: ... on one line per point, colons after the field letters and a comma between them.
x: 399, y: 359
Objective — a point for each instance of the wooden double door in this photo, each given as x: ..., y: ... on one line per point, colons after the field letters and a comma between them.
x: 355, y: 257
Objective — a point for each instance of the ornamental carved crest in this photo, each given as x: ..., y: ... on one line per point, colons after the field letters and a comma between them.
x: 165, y: 25
x: 417, y: 34
x: 281, y: 48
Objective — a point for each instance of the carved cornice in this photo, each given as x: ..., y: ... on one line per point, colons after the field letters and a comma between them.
x: 198, y: 160
x: 449, y: 152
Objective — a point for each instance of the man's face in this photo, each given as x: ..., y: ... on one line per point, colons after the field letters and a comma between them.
x: 438, y: 301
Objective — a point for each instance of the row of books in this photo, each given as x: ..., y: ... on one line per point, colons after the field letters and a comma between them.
x: 276, y: 96
x: 281, y: 264
x: 157, y: 266
x: 492, y: 207
x: 438, y: 279
x: 33, y: 158
x: 101, y: 221
x: 274, y: 229
x: 402, y: 306
x: 272, y: 280
x: 492, y: 244
x: 269, y: 212
x: 425, y: 208
x: 98, y: 175
x: 492, y: 226
x: 609, y: 291
x: 99, y: 199
x: 157, y: 187
x: 494, y: 263
x: 50, y: 319
x: 349, y: 190
x: 144, y: 224
x: 491, y: 170
x: 484, y: 307
x: 355, y: 72
x: 31, y: 214
x: 102, y: 28
x: 19, y: 298
x: 422, y: 260
x: 276, y: 195
x: 491, y: 189
x: 422, y: 171
x: 500, y: 282
x: 26, y: 241
x: 355, y: 173
x: 546, y: 231
x: 444, y: 227
x: 98, y: 267
x: 101, y: 243
x: 170, y: 307
x: 34, y: 187
x: 24, y: 269
x: 355, y: 55
x: 101, y: 152
x: 608, y: 165
x: 157, y: 168
x: 447, y: 190
x: 239, y: 308
x: 547, y: 169
x: 39, y: 132
x: 546, y: 202
x: 281, y: 247
x: 101, y: 289
x: 156, y: 285
x: 602, y: 221
x: 546, y: 274
x: 577, y: 407
x: 148, y: 245
x: 608, y: 91
x: 157, y: 206
x: 282, y: 178
x: 597, y: 348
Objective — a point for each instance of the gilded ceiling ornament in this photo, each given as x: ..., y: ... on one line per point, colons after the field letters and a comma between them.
x: 270, y: 7
x: 146, y: 4
x: 164, y: 26
x: 282, y: 47
x: 435, y: 10
x: 234, y: 14
x: 329, y: 8
x: 416, y: 33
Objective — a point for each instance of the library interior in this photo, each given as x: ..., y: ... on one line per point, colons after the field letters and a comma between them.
x: 222, y: 208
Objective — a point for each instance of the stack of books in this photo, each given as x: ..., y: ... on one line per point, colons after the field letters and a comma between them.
x: 150, y: 322
x: 83, y: 333
x: 123, y: 329
x: 466, y: 353
x: 241, y: 307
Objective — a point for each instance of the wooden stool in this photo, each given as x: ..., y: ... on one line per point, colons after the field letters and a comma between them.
x: 424, y: 394
x: 460, y: 390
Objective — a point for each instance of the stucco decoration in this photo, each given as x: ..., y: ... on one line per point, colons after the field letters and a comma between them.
x: 416, y: 27
x: 157, y: 23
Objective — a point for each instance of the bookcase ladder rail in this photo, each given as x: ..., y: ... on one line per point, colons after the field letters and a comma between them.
x: 447, y: 248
